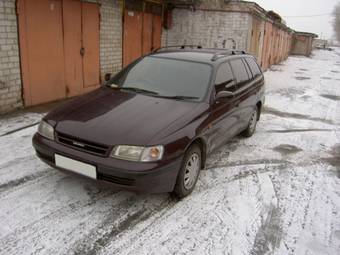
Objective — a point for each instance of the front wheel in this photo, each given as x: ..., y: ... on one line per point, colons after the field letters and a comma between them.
x: 252, y: 123
x: 189, y: 172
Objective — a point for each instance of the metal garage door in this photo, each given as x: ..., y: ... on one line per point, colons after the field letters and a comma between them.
x: 142, y: 29
x: 59, y: 46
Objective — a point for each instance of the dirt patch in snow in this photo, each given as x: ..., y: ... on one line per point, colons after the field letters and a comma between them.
x: 291, y: 92
x: 286, y: 149
x: 274, y: 69
x: 333, y: 71
x: 302, y: 78
x: 326, y: 78
x: 335, y: 160
x: 332, y: 97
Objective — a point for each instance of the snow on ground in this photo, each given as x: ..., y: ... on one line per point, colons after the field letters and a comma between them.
x: 275, y: 193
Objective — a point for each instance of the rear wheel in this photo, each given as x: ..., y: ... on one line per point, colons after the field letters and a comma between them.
x: 252, y: 123
x: 189, y: 172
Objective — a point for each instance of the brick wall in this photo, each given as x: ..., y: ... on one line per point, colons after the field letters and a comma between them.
x: 209, y: 29
x: 110, y: 36
x: 10, y: 80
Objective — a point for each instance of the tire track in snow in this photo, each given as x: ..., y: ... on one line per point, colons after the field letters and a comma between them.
x: 269, y: 234
x: 299, y: 199
x: 247, y: 162
x: 16, y: 161
x: 273, y: 111
x: 300, y: 130
x: 19, y: 129
x: 216, y: 220
x: 108, y: 231
x: 34, y: 230
x: 17, y: 182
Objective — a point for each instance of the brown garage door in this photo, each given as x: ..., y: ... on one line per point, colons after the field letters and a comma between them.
x: 59, y: 44
x: 142, y: 29
x: 256, y: 38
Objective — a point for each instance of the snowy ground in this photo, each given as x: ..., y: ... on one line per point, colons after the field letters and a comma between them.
x: 276, y: 193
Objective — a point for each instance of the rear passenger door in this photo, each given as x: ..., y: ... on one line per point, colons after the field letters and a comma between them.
x: 252, y: 92
x: 223, y: 115
x: 243, y: 94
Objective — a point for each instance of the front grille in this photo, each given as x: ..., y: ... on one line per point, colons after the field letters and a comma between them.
x: 117, y: 180
x: 83, y: 145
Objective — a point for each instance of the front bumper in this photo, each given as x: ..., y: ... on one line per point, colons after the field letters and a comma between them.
x: 155, y: 177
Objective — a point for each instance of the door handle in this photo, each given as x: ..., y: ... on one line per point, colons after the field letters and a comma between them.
x: 82, y: 51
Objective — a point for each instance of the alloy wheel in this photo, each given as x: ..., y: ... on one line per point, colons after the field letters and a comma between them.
x: 253, y: 120
x: 192, y: 168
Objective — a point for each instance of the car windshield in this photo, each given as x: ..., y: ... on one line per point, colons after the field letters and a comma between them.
x: 165, y: 78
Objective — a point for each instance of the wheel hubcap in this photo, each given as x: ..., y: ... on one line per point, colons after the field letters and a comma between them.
x: 192, y: 168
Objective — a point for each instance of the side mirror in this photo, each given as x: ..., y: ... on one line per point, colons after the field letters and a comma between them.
x: 107, y: 76
x: 224, y: 95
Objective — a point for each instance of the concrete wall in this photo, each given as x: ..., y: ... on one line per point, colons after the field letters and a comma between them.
x: 10, y: 80
x: 209, y: 29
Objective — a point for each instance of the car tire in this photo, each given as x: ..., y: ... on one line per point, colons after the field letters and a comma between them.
x: 186, y: 180
x: 251, y: 128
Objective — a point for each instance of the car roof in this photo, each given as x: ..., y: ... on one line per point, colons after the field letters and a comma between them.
x: 203, y: 55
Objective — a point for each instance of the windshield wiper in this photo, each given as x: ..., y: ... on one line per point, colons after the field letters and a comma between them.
x: 139, y: 90
x: 179, y: 97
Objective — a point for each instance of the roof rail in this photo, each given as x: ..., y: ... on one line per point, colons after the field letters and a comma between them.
x: 225, y: 53
x: 182, y: 47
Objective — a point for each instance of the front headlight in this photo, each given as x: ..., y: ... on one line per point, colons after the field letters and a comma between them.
x: 46, y: 130
x: 138, y: 153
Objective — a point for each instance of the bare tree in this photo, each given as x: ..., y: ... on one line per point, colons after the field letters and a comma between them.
x: 336, y: 14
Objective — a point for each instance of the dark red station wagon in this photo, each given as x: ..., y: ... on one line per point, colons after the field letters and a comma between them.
x: 151, y: 127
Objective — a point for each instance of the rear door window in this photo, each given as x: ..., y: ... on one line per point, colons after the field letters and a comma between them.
x: 239, y: 70
x: 255, y: 69
x: 224, y: 78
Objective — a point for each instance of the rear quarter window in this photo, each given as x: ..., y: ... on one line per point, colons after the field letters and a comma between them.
x: 255, y: 69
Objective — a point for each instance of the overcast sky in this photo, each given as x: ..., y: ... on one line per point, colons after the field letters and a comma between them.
x: 321, y: 25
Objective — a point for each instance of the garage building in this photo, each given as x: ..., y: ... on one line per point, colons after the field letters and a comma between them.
x: 57, y: 49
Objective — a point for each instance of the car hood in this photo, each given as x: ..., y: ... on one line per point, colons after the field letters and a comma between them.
x: 114, y: 117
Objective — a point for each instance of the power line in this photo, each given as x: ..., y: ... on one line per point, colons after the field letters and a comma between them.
x: 308, y: 16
